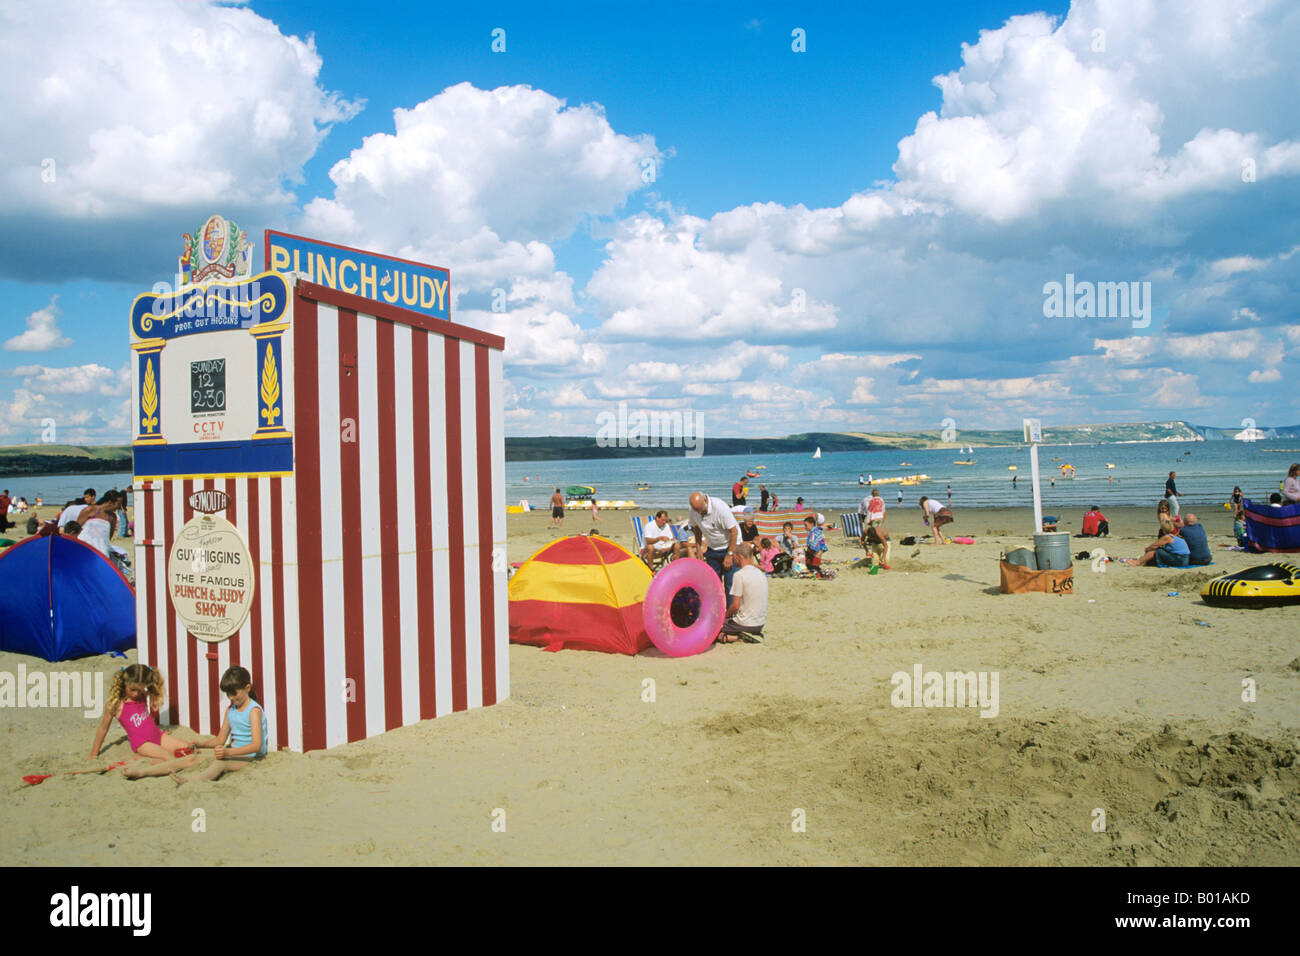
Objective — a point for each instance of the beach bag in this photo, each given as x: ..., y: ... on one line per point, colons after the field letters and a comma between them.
x: 1020, y: 580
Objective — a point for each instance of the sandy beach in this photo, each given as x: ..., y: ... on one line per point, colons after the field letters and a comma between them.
x: 1119, y: 698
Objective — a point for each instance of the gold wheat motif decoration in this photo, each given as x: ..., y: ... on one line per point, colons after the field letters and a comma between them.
x: 270, y: 387
x: 149, y: 398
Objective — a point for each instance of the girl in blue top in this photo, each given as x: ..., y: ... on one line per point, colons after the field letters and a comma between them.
x: 244, y: 727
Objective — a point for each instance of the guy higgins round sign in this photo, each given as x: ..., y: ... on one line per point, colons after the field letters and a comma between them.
x: 210, y: 577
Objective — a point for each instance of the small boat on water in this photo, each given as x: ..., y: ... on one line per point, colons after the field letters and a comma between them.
x: 818, y: 452
x: 968, y: 461
x: 580, y: 491
x: 904, y: 464
x: 901, y: 480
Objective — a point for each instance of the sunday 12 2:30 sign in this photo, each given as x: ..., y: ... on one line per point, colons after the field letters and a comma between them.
x: 210, y: 392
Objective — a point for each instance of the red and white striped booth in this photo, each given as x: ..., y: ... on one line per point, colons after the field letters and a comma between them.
x: 358, y: 451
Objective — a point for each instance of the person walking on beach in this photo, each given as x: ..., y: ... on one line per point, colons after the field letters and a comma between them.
x: 875, y: 508
x: 557, y: 510
x: 765, y: 498
x: 950, y: 496
x: 739, y: 491
x: 1172, y: 495
x: 1013, y: 481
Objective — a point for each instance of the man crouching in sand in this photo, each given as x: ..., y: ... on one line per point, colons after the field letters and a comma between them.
x: 875, y: 542
x: 747, y: 612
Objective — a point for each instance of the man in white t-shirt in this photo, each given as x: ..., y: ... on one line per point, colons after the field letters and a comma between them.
x: 659, y: 538
x: 716, y: 533
x: 747, y: 607
x: 71, y: 512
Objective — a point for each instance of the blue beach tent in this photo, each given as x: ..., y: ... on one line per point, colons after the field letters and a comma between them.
x: 64, y: 600
x: 1272, y: 529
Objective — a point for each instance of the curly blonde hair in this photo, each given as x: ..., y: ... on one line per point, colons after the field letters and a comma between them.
x: 150, y: 678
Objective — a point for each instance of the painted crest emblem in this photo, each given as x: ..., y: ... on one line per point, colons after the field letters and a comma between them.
x: 214, y: 240
x: 218, y: 250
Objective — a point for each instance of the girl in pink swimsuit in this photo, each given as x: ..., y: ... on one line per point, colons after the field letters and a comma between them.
x: 134, y: 698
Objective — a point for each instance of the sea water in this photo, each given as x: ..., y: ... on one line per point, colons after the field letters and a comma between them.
x: 56, y: 490
x: 1206, y: 473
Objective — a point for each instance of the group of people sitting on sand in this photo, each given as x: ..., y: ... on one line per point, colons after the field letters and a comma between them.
x: 1180, y: 542
x: 94, y: 522
x: 741, y: 556
x: 12, y: 506
x: 793, y: 552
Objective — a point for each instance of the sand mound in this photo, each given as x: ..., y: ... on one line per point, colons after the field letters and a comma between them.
x: 944, y: 788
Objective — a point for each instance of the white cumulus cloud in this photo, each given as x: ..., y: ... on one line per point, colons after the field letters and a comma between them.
x: 42, y: 331
x: 115, y: 113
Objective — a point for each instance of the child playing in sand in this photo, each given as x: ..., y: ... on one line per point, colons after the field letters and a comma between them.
x: 815, y: 546
x: 244, y: 725
x: 788, y: 543
x: 133, y: 699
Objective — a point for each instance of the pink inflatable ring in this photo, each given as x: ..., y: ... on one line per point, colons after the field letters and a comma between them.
x: 684, y: 608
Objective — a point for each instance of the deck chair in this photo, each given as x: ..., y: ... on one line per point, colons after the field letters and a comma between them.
x: 657, y: 561
x: 851, y: 524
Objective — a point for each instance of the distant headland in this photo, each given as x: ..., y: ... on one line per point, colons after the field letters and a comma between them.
x: 46, y: 459
x: 561, y: 447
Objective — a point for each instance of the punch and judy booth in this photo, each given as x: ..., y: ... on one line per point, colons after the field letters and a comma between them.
x: 319, y: 488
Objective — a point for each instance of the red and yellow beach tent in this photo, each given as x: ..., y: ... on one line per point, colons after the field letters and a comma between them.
x: 583, y: 592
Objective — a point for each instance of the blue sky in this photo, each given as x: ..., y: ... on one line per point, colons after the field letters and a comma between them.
x: 857, y: 236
